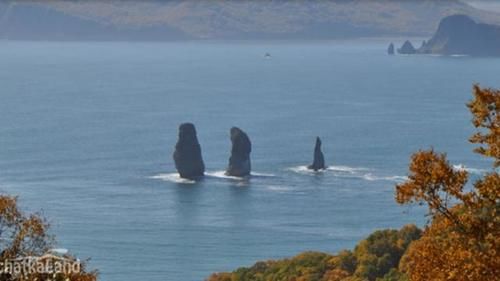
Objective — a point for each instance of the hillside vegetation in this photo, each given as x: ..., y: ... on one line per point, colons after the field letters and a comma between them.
x: 375, y: 258
x: 225, y: 19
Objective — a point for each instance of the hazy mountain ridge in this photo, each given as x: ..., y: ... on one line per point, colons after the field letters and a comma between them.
x: 460, y: 35
x: 225, y: 19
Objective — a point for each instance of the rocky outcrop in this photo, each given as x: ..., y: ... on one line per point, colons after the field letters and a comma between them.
x: 407, y: 49
x: 319, y: 159
x: 187, y: 155
x: 390, y: 49
x: 460, y: 35
x: 239, y: 162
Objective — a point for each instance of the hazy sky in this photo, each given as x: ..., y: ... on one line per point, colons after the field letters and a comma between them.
x: 489, y: 5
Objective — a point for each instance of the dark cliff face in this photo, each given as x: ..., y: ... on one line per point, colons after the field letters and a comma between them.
x: 460, y: 35
x: 187, y: 155
x: 319, y: 159
x: 239, y: 162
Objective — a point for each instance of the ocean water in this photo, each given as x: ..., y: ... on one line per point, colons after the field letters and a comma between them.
x: 87, y: 132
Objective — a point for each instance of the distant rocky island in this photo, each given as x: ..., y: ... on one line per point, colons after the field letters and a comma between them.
x: 459, y: 35
x: 407, y: 48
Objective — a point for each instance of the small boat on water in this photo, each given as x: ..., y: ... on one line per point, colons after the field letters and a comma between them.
x: 267, y: 56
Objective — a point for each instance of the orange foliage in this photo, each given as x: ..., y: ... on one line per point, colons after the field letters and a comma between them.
x: 463, y: 240
x: 485, y: 109
x: 23, y: 236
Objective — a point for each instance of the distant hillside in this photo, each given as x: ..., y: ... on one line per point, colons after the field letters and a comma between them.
x: 226, y: 19
x: 459, y: 34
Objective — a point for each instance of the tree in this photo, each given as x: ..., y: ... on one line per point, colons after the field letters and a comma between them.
x: 462, y: 241
x: 23, y: 236
x: 378, y: 254
x: 375, y: 258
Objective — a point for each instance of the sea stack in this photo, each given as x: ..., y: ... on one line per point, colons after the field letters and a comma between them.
x: 319, y: 159
x: 187, y: 155
x: 407, y: 49
x: 239, y: 162
x: 390, y: 49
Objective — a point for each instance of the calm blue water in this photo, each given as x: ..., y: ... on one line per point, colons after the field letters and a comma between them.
x: 87, y: 131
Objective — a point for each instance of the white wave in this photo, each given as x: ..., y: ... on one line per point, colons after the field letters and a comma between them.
x: 346, y: 169
x: 279, y: 188
x: 299, y: 169
x: 264, y: 175
x: 371, y: 177
x: 462, y: 167
x: 303, y: 170
x: 339, y: 169
x: 350, y: 172
x: 397, y: 178
x: 173, y: 177
x: 222, y: 175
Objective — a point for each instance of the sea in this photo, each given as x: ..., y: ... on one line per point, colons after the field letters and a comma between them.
x: 88, y: 129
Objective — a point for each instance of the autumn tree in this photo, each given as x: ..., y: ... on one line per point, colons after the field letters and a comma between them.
x: 462, y: 240
x: 23, y: 236
x: 381, y: 252
x: 374, y: 259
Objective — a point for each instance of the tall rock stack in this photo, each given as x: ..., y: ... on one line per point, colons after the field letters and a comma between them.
x: 187, y: 155
x: 390, y: 49
x: 319, y: 159
x: 239, y: 162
